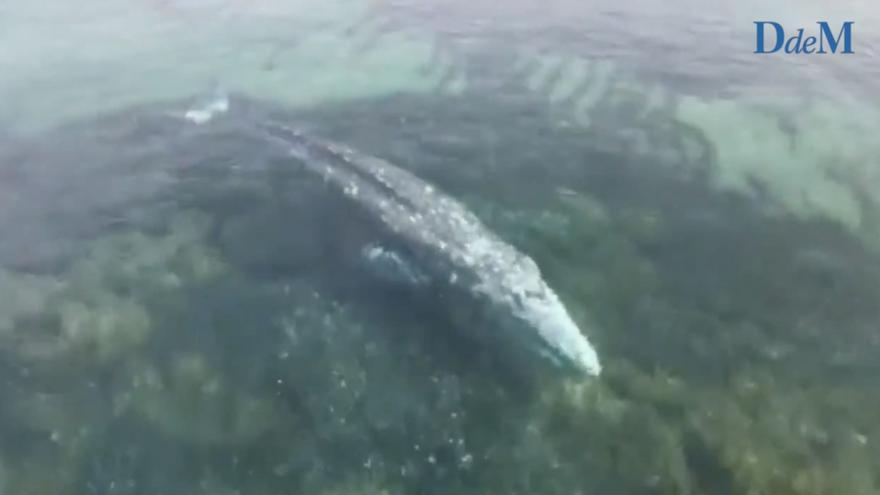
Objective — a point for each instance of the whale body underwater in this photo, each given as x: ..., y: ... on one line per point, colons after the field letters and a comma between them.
x: 431, y: 239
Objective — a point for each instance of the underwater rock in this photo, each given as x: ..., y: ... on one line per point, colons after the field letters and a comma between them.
x: 22, y: 295
x: 664, y: 392
x: 106, y: 332
x: 585, y: 206
x: 92, y: 333
x: 644, y: 228
x: 127, y: 262
x: 190, y: 402
x: 631, y: 449
x: 254, y: 242
x: 28, y: 475
x: 71, y: 418
x: 95, y: 316
x: 770, y: 440
x: 355, y: 487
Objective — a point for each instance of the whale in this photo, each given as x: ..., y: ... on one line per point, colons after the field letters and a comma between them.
x: 431, y: 240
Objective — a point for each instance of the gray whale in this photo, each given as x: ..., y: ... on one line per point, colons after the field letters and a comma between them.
x: 444, y: 244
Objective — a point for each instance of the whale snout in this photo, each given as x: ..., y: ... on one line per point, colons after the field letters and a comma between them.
x: 565, y: 339
x: 587, y: 360
x: 559, y: 336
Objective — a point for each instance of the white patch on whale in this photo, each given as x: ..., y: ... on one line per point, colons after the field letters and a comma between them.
x: 392, y: 266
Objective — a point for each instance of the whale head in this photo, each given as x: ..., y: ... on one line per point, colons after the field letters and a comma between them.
x: 559, y: 337
x: 533, y: 312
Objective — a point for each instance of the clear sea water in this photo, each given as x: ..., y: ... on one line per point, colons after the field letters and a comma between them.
x: 179, y: 314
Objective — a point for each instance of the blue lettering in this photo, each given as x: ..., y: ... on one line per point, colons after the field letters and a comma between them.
x: 793, y: 44
x: 826, y: 34
x: 780, y: 36
x: 808, y: 44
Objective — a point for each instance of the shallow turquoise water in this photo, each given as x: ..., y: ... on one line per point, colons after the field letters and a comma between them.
x: 177, y: 315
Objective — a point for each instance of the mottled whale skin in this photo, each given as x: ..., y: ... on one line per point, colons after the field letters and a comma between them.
x: 448, y: 243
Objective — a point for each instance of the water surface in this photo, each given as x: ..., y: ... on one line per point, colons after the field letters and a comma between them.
x: 176, y: 317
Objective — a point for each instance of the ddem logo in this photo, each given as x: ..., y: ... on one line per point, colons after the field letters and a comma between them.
x: 826, y: 40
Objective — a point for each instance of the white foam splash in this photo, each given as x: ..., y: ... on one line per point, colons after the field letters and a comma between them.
x: 206, y: 113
